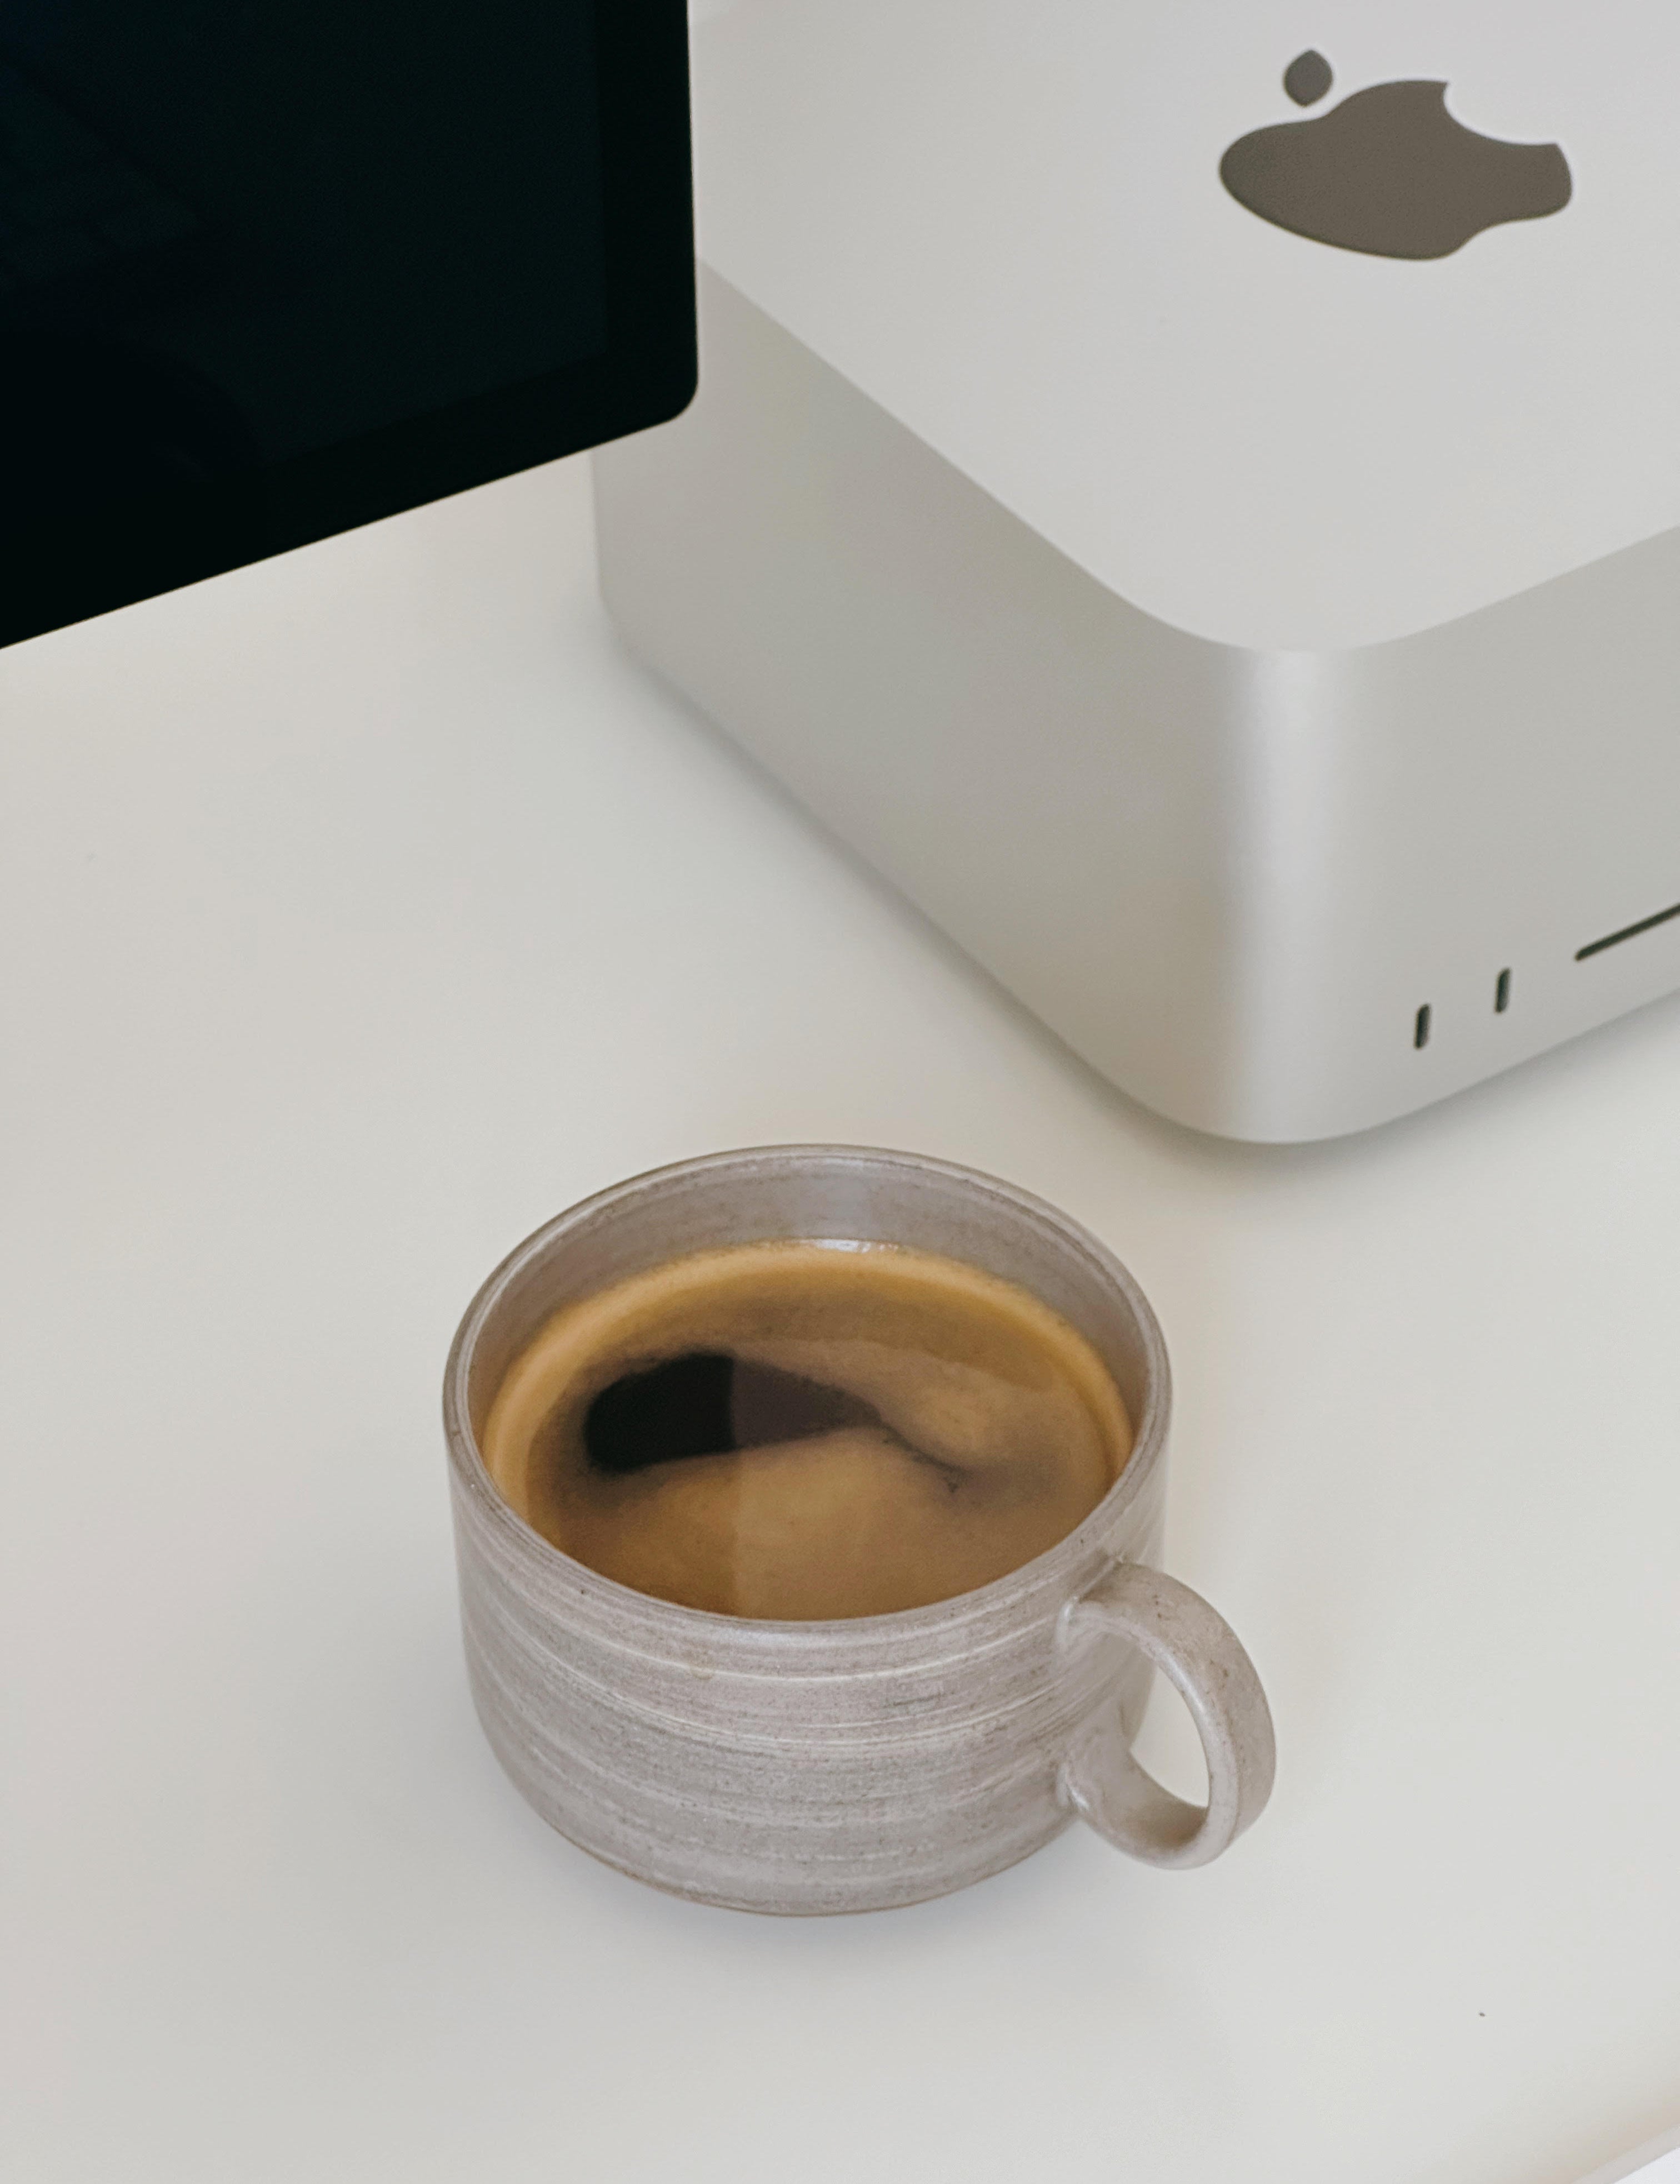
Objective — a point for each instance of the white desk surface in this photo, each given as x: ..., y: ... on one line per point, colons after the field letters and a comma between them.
x: 363, y: 909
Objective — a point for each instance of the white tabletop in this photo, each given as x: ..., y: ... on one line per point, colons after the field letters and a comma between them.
x: 363, y: 909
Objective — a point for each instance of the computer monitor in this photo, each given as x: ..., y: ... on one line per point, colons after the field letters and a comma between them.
x: 273, y: 270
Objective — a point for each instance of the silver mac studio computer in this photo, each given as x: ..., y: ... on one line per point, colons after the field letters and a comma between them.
x: 1190, y: 494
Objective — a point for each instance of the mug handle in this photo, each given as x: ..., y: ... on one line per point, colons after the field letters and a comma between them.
x: 1196, y: 1649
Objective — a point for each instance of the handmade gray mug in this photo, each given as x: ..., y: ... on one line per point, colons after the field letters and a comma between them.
x: 846, y: 1765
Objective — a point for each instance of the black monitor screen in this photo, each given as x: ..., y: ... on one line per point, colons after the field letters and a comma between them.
x: 272, y: 267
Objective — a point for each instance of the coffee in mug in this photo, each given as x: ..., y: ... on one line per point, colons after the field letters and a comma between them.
x: 808, y: 1501
x: 807, y: 1428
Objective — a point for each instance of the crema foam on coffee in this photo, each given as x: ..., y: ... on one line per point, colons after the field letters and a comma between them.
x: 805, y: 1430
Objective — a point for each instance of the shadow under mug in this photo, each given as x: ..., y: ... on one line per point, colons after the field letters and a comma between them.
x: 847, y: 1765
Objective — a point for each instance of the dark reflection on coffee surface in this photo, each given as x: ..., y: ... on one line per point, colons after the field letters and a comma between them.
x: 805, y: 1430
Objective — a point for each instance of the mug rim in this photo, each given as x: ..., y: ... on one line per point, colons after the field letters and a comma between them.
x: 1074, y: 1548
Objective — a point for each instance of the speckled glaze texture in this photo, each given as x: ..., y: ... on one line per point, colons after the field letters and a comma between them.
x: 843, y: 1766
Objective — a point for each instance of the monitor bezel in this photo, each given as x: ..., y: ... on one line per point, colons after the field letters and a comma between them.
x: 62, y: 573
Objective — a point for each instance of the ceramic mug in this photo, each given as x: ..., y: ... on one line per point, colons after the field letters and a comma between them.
x: 846, y: 1765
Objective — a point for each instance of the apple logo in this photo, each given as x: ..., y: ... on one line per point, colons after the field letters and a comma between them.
x: 1388, y: 170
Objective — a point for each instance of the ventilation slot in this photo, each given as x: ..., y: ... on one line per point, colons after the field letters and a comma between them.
x: 1420, y: 1035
